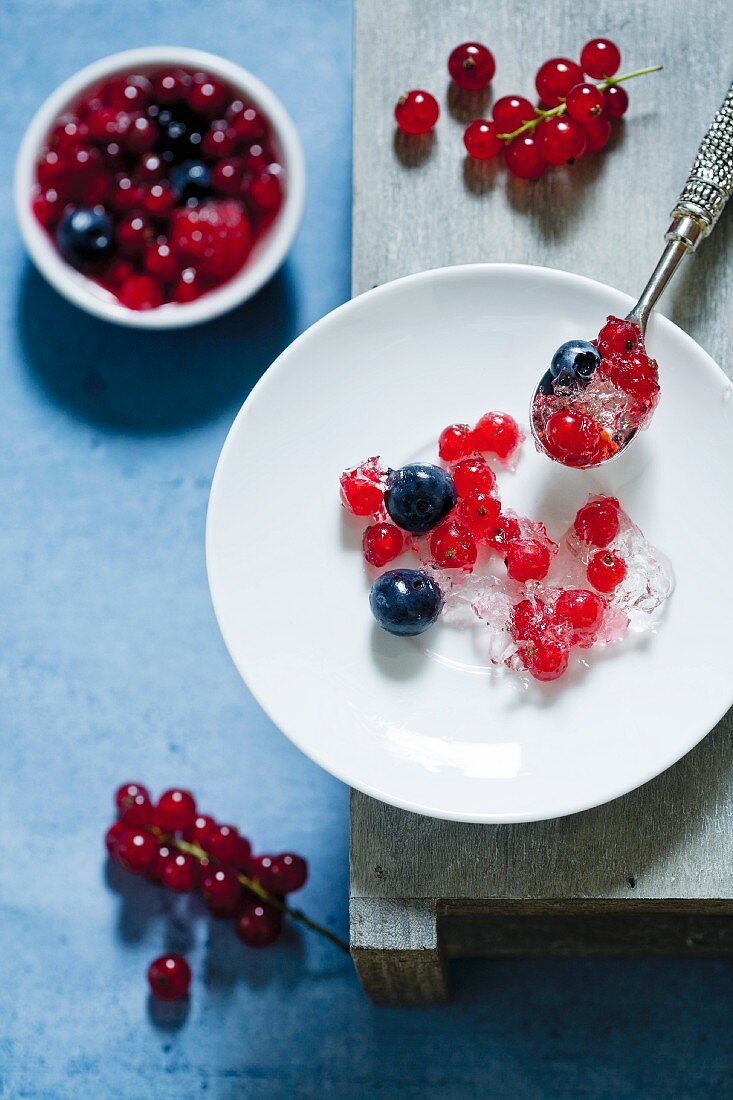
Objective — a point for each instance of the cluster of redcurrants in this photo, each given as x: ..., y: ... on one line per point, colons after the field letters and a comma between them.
x: 174, y: 845
x: 572, y: 116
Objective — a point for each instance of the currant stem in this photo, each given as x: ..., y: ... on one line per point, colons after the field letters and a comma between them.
x: 561, y: 108
x: 255, y: 888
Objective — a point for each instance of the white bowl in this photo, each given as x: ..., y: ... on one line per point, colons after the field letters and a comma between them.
x: 267, y: 254
x: 423, y: 722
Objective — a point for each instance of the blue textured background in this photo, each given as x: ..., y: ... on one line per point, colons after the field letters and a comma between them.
x: 112, y: 668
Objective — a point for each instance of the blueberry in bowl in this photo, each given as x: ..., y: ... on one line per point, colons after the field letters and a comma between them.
x: 186, y: 167
x: 419, y: 496
x: 405, y: 601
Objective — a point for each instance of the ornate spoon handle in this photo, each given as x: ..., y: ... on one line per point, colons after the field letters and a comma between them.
x: 708, y: 188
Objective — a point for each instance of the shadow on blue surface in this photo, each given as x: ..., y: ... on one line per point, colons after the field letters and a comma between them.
x: 150, y: 383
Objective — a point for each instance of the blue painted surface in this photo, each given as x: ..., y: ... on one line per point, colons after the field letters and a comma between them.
x: 112, y: 668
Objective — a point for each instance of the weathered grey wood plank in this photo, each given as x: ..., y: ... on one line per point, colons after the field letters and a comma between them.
x: 672, y: 839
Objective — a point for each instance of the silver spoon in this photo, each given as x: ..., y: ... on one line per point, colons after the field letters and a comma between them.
x: 708, y: 188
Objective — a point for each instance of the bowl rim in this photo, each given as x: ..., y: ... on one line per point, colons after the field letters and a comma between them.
x: 73, y: 285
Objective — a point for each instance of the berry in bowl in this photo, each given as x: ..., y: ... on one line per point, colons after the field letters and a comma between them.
x: 160, y: 187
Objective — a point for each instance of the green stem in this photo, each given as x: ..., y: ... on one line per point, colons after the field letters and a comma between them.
x: 255, y: 888
x: 561, y: 108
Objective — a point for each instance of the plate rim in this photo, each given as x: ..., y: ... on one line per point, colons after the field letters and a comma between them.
x: 448, y: 271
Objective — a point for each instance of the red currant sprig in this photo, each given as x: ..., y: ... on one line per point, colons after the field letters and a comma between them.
x: 175, y: 846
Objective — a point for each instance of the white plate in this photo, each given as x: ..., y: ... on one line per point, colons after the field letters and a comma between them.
x: 421, y: 723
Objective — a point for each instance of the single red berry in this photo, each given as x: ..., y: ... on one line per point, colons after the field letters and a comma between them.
x: 600, y: 58
x: 615, y: 101
x: 242, y: 857
x: 259, y: 924
x: 453, y: 546
x: 159, y: 198
x: 416, y: 112
x: 290, y: 872
x: 246, y: 121
x: 139, y: 811
x: 498, y: 433
x: 480, y: 513
x: 555, y: 79
x: 127, y: 93
x: 572, y: 437
x: 133, y: 234
x: 584, y: 102
x: 139, y: 135
x: 113, y: 836
x: 178, y: 872
x: 197, y: 831
x: 137, y: 850
x: 506, y: 531
x: 175, y: 811
x: 207, y: 95
x: 473, y: 474
x: 160, y: 261
x: 127, y: 193
x: 471, y: 66
x: 257, y: 158
x: 523, y: 157
x: 597, y: 522
x: 619, y: 337
x: 221, y: 842
x: 528, y: 620
x: 68, y: 132
x: 118, y: 272
x: 189, y: 287
x: 583, y: 610
x: 106, y: 123
x: 545, y: 660
x: 606, y: 571
x: 597, y: 133
x: 221, y: 890
x: 265, y: 192
x: 228, y: 176
x: 562, y: 140
x: 140, y: 292
x: 126, y: 794
x: 456, y: 441
x: 481, y: 139
x: 219, y: 141
x: 382, y: 542
x: 362, y: 489
x: 510, y: 112
x: 261, y: 871
x: 47, y: 207
x: 169, y: 977
x: 527, y: 559
x: 170, y: 85
x: 635, y: 378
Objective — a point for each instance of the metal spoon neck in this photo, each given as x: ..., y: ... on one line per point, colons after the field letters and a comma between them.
x: 681, y: 237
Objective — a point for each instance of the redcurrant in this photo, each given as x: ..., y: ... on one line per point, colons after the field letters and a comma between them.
x: 555, y: 79
x: 600, y: 58
x: 606, y: 571
x: 416, y: 112
x: 169, y: 977
x: 471, y: 66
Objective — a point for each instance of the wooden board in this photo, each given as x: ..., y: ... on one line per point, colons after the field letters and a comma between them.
x: 605, y: 218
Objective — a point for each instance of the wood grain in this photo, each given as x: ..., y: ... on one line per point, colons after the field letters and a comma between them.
x: 427, y: 206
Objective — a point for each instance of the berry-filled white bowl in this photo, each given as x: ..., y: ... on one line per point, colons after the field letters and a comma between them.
x: 268, y: 252
x: 425, y: 723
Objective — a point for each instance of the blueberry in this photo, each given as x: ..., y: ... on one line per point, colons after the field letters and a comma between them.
x: 576, y: 359
x: 405, y: 601
x: 190, y: 180
x: 419, y: 496
x: 180, y: 131
x: 85, y: 237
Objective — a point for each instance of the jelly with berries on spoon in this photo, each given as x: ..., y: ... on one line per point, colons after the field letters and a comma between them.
x: 597, y: 396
